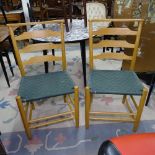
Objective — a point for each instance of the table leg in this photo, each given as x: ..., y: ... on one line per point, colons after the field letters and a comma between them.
x: 4, y: 69
x: 151, y: 89
x: 83, y: 57
x: 45, y: 63
x: 53, y: 53
x: 12, y: 48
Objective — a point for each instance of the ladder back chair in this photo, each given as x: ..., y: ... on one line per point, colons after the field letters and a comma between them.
x: 41, y: 86
x: 117, y: 82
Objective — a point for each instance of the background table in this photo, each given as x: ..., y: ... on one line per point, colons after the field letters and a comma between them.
x: 77, y: 33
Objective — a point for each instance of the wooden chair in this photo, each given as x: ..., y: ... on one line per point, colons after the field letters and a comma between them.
x: 36, y: 87
x: 119, y: 82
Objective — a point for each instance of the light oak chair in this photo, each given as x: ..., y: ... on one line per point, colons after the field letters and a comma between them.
x: 42, y: 86
x: 118, y: 82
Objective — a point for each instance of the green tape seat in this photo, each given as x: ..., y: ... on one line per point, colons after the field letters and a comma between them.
x: 45, y: 85
x: 115, y: 82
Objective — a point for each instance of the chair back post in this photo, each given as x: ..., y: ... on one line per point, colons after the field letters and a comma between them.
x: 18, y: 57
x: 135, y: 52
x: 63, y: 47
x: 90, y: 45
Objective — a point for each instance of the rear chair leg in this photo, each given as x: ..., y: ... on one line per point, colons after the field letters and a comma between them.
x: 87, y: 106
x: 65, y: 98
x: 23, y: 116
x: 91, y: 100
x: 76, y: 104
x: 124, y: 98
x: 33, y: 106
x: 140, y: 109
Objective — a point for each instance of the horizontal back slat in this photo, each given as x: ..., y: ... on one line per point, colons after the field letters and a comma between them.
x: 39, y: 47
x: 37, y: 34
x: 40, y: 59
x: 113, y: 43
x: 116, y: 20
x: 34, y: 23
x: 116, y: 56
x: 114, y: 31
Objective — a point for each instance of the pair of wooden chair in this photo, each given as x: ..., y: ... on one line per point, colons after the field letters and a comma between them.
x: 36, y: 87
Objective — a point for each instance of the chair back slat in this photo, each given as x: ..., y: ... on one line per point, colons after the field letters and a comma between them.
x: 40, y: 59
x: 113, y: 43
x: 37, y: 34
x: 124, y: 32
x: 114, y: 31
x: 33, y: 46
x: 39, y: 47
x: 115, y: 56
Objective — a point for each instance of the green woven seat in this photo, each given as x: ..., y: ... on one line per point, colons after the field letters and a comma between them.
x: 115, y: 82
x: 45, y: 85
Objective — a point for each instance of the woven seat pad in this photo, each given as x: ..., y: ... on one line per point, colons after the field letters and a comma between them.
x: 45, y: 85
x: 115, y: 82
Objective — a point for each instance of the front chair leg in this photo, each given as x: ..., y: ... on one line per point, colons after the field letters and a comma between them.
x: 76, y: 104
x: 87, y: 106
x: 140, y: 109
x: 23, y: 116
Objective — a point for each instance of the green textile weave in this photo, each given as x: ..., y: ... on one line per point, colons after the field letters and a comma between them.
x: 115, y: 82
x: 45, y: 85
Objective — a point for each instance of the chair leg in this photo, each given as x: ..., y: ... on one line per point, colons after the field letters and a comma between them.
x: 4, y: 69
x: 23, y: 116
x: 76, y: 103
x: 140, y: 109
x: 33, y: 106
x: 124, y: 98
x: 9, y: 62
x: 87, y: 106
x: 91, y: 100
x: 65, y: 100
x: 104, y: 49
